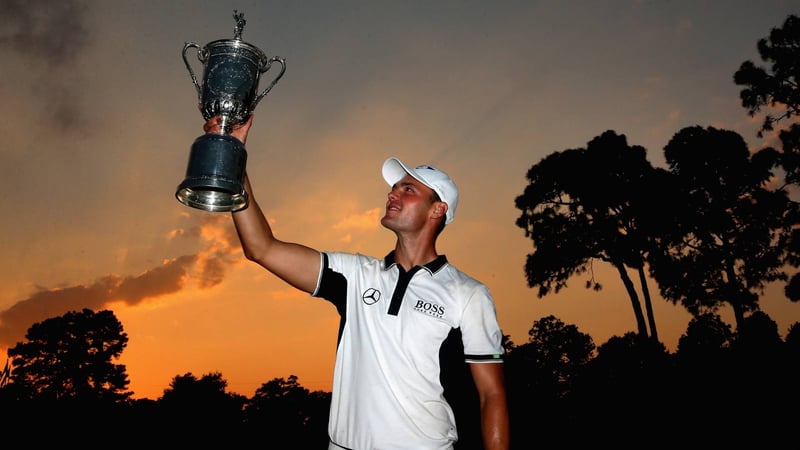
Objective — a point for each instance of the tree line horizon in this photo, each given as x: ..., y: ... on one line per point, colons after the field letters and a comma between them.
x: 712, y: 230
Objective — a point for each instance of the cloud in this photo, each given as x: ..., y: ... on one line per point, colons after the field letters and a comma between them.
x: 53, y: 32
x: 165, y: 279
x: 367, y: 221
x: 204, y: 269
x: 49, y: 38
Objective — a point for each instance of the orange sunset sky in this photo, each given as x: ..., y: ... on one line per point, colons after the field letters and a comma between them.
x: 100, y: 112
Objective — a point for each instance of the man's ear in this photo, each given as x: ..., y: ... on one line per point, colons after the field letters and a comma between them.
x: 440, y: 209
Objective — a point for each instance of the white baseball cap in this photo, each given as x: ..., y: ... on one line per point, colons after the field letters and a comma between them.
x: 438, y: 181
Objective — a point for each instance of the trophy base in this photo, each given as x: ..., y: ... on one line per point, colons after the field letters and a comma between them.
x: 215, y: 175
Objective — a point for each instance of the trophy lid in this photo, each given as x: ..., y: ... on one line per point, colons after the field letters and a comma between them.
x: 237, y: 46
x: 240, y: 23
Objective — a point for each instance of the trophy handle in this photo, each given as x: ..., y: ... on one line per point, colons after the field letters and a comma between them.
x: 282, y: 62
x: 197, y: 87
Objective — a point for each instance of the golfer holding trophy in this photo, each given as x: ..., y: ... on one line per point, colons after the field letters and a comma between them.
x: 231, y: 72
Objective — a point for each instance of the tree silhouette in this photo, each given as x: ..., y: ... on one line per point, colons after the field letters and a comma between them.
x: 201, y: 411
x: 793, y: 342
x: 627, y: 386
x: 70, y: 357
x: 593, y: 203
x: 733, y: 232
x: 792, y: 288
x: 759, y: 337
x: 283, y: 407
x: 776, y: 87
x: 706, y: 336
x: 554, y: 353
x: 62, y: 380
x: 541, y: 373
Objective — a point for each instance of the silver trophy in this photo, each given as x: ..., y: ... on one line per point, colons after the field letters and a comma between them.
x: 232, y: 68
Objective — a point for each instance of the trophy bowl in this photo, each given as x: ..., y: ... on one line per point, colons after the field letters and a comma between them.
x: 232, y: 69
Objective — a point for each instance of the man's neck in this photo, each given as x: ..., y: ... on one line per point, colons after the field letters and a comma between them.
x: 414, y: 252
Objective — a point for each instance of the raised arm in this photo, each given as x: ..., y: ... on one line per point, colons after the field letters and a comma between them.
x: 296, y: 264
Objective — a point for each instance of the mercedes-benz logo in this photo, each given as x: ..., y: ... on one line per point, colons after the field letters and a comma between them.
x: 371, y: 296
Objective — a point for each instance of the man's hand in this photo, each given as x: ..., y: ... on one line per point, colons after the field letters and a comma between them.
x: 239, y: 132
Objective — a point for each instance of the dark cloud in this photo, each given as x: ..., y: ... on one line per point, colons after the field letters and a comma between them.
x: 53, y: 32
x: 48, y: 37
x: 213, y: 272
x: 206, y: 268
x: 166, y: 279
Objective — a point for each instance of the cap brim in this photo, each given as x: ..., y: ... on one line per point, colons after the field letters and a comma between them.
x: 394, y: 170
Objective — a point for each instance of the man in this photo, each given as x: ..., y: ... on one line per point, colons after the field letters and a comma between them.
x: 396, y: 314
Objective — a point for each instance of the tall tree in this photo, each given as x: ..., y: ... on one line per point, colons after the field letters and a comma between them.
x: 593, y: 203
x: 733, y: 233
x: 779, y: 86
x: 70, y: 357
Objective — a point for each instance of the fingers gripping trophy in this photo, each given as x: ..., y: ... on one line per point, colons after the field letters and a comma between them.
x: 231, y: 72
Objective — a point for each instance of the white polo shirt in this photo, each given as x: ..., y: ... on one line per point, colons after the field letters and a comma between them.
x: 387, y: 391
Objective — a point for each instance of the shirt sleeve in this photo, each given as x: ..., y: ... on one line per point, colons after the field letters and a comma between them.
x: 481, y: 334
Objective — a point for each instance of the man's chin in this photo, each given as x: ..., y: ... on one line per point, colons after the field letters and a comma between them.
x: 386, y: 221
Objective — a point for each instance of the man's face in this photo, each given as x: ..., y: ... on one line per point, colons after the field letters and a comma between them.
x: 409, y: 206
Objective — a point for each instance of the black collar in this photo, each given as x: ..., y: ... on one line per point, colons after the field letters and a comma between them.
x: 431, y: 266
